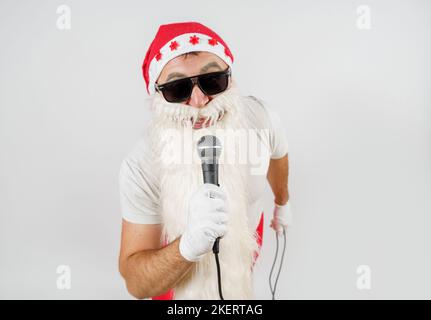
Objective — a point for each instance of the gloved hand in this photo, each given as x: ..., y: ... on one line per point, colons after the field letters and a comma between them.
x: 207, y: 220
x: 282, y: 218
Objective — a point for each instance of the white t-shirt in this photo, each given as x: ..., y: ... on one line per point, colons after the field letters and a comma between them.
x: 139, y: 189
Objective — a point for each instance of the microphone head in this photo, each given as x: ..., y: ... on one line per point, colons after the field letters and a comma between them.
x: 209, y: 149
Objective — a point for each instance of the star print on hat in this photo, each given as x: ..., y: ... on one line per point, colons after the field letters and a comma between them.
x: 175, y: 39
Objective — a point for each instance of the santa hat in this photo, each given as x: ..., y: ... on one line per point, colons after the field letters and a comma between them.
x: 175, y: 39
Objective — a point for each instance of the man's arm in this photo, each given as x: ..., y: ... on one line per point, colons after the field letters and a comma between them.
x: 148, y: 269
x: 277, y: 176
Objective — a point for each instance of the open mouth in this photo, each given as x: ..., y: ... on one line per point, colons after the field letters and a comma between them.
x: 204, y: 122
x: 200, y: 122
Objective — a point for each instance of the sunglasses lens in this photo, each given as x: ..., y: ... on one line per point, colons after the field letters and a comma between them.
x: 181, y: 90
x: 177, y: 91
x: 214, y: 83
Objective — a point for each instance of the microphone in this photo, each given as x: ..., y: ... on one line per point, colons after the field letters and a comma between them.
x: 209, y: 150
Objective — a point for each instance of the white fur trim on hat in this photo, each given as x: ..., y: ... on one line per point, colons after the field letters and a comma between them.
x: 184, y: 46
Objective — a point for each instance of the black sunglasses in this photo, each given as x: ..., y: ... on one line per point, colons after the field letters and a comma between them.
x: 180, y: 90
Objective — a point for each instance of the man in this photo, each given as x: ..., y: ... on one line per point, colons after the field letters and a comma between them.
x: 170, y: 217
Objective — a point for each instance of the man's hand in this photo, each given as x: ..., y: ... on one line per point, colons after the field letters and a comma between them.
x: 207, y: 220
x: 282, y: 218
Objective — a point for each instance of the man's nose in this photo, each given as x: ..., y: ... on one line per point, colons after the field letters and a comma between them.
x: 198, y: 99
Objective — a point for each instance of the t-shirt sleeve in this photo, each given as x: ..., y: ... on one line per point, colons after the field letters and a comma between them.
x: 139, y: 190
x: 277, y: 134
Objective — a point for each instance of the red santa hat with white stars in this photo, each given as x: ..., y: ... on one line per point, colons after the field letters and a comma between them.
x: 175, y: 39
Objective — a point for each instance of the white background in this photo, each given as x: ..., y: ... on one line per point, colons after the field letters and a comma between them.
x: 356, y: 106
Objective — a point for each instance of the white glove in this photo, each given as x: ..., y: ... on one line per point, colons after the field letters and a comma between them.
x: 282, y: 218
x: 207, y: 220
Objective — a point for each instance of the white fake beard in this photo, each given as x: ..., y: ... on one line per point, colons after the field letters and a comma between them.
x: 179, y: 179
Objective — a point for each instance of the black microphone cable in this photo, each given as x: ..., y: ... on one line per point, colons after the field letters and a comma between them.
x: 216, y: 251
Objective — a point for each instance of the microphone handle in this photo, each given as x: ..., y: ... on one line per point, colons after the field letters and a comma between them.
x: 210, y: 175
